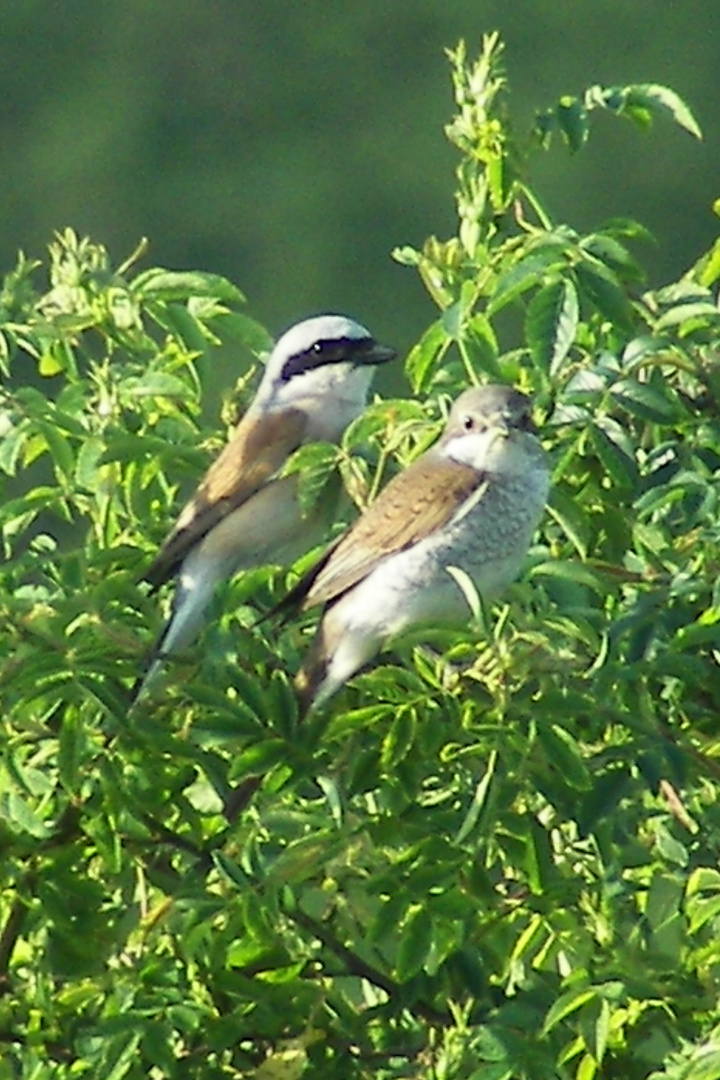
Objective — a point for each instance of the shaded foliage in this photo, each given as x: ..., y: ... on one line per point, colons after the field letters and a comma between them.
x: 495, y: 855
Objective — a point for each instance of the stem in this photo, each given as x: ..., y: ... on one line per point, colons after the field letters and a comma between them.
x: 356, y: 966
x: 11, y: 932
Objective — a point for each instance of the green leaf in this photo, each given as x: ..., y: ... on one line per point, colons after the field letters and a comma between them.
x: 230, y: 870
x: 424, y: 357
x: 12, y: 444
x: 70, y: 752
x: 237, y: 327
x: 594, y: 1025
x: 611, y: 446
x: 572, y: 118
x: 59, y: 447
x: 571, y: 517
x: 564, y: 754
x: 644, y: 401
x: 701, y: 911
x: 259, y: 758
x: 157, y: 384
x: 602, y: 288
x: 314, y: 465
x: 157, y: 284
x: 608, y: 250
x: 664, y: 101
x: 702, y: 879
x: 19, y: 815
x: 551, y: 324
x: 525, y: 274
x: 414, y: 945
x: 705, y: 1066
x: 567, y: 1004
x: 575, y: 572
x: 707, y: 268
x: 399, y: 740
x: 119, y: 1055
x: 479, y: 800
x: 702, y: 311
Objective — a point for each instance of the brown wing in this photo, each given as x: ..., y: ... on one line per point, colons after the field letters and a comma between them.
x: 414, y: 504
x: 256, y: 450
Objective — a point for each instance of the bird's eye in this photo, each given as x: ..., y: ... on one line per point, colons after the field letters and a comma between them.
x: 317, y: 347
x: 468, y: 423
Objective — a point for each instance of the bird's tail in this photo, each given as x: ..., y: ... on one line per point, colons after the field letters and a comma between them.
x: 186, y: 618
x: 309, y: 679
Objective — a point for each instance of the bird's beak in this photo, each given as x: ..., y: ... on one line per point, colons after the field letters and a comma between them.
x: 375, y: 354
x: 503, y: 426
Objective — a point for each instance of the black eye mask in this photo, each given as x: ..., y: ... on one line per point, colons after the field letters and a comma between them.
x: 332, y: 351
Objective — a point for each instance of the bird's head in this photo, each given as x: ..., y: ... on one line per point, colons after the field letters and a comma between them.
x: 490, y: 428
x: 324, y: 366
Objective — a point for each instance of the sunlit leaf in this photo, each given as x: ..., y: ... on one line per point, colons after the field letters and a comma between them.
x: 551, y: 324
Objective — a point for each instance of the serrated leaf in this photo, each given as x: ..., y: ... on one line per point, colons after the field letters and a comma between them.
x: 613, y: 453
x: 11, y: 446
x: 572, y: 118
x: 119, y: 1055
x: 20, y: 816
x: 59, y: 448
x: 572, y: 519
x: 608, y: 250
x: 565, y: 1005
x: 566, y: 570
x: 414, y: 945
x: 235, y: 326
x: 563, y: 753
x: 230, y: 870
x: 701, y: 879
x: 259, y: 758
x: 314, y: 465
x: 483, y: 347
x: 525, y: 274
x: 424, y: 357
x: 644, y: 401
x: 126, y: 448
x: 159, y: 284
x: 551, y: 324
x: 662, y: 100
x: 87, y: 465
x: 703, y: 310
x: 707, y: 268
x: 400, y: 738
x: 182, y: 324
x: 604, y: 291
x: 69, y: 752
x: 156, y: 384
x: 479, y: 800
x: 701, y: 910
x: 706, y: 1065
x: 594, y: 1025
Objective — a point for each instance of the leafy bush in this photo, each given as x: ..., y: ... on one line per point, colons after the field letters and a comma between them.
x: 495, y: 856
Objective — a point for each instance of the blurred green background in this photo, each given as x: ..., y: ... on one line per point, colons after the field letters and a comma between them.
x: 291, y: 146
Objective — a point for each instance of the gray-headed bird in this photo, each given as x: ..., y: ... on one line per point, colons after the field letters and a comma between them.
x: 243, y: 514
x: 471, y: 502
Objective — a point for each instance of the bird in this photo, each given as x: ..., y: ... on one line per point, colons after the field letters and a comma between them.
x: 471, y: 502
x: 243, y: 514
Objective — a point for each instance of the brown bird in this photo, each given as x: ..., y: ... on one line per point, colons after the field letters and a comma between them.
x: 471, y: 502
x: 242, y: 515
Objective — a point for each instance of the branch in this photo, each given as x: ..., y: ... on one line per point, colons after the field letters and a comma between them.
x: 11, y: 932
x: 356, y: 966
